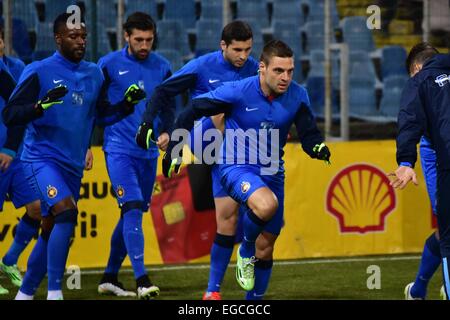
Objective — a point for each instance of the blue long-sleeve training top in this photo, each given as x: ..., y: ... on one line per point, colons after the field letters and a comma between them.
x: 199, y: 76
x: 122, y: 70
x: 247, y: 109
x: 62, y: 132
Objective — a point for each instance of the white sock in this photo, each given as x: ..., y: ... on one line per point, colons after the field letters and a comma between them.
x: 55, y: 295
x: 22, y: 296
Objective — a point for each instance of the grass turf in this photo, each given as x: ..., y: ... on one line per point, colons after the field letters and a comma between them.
x: 339, y: 278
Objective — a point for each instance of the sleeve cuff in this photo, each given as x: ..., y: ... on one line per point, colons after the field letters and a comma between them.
x: 9, y: 152
x: 406, y: 164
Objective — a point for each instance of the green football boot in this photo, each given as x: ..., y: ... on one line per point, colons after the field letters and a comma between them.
x: 13, y: 273
x: 3, y: 291
x: 245, y: 271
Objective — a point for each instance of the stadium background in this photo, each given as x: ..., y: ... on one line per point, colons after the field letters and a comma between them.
x: 347, y: 209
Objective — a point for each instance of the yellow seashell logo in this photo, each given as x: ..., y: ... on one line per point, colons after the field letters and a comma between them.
x: 360, y: 198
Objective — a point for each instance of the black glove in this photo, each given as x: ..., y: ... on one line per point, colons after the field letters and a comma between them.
x: 322, y: 152
x: 169, y: 165
x: 145, y: 136
x: 53, y: 96
x: 134, y: 94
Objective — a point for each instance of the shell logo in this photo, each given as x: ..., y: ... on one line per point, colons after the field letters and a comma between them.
x: 360, y: 197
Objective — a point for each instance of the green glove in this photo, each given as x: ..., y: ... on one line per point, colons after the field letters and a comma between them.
x: 322, y: 152
x: 53, y: 96
x: 134, y: 94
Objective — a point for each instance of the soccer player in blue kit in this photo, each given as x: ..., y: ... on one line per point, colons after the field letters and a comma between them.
x: 12, y: 179
x: 267, y: 105
x: 131, y: 169
x: 60, y: 99
x: 202, y: 75
x: 431, y: 255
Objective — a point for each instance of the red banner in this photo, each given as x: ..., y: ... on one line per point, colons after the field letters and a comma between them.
x: 183, y: 232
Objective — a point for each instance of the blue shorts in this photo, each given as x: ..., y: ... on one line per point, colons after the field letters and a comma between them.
x: 132, y: 178
x: 428, y: 161
x: 217, y: 188
x: 242, y: 181
x: 198, y: 132
x: 51, y: 183
x: 14, y: 183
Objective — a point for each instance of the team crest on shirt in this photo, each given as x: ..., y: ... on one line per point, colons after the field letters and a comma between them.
x: 245, y: 186
x: 442, y: 80
x: 120, y: 191
x: 52, y: 192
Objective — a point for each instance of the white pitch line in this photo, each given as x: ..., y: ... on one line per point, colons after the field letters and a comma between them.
x: 279, y: 263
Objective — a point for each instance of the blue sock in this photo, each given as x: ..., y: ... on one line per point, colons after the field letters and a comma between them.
x: 58, y: 247
x: 134, y: 240
x: 25, y: 231
x: 221, y: 252
x: 263, y: 271
x: 37, y: 266
x: 431, y: 259
x: 253, y: 226
x: 118, y: 250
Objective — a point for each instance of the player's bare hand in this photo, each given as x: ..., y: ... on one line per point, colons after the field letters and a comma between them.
x: 402, y: 176
x: 163, y: 141
x: 5, y: 161
x: 89, y: 161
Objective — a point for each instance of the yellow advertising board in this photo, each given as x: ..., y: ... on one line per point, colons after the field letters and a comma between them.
x: 344, y: 209
x: 349, y: 208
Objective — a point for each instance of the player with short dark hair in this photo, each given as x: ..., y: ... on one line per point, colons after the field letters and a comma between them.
x: 267, y: 105
x: 60, y: 99
x: 424, y: 112
x: 201, y: 75
x: 431, y: 255
x: 131, y: 169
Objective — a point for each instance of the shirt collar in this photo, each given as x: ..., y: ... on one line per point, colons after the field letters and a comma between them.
x: 226, y: 64
x: 270, y: 98
x: 69, y: 64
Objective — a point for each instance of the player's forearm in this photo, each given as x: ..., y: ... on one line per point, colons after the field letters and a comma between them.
x: 14, y: 138
x: 163, y: 98
x: 108, y: 114
x: 411, y: 127
x: 202, y: 107
x: 22, y: 107
x: 407, y: 148
x: 20, y: 114
x: 307, y: 130
x: 7, y: 85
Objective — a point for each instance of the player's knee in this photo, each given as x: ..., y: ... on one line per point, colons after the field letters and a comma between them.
x: 68, y: 216
x: 64, y: 205
x: 131, y: 205
x: 266, y: 208
x: 47, y: 225
x: 34, y: 210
